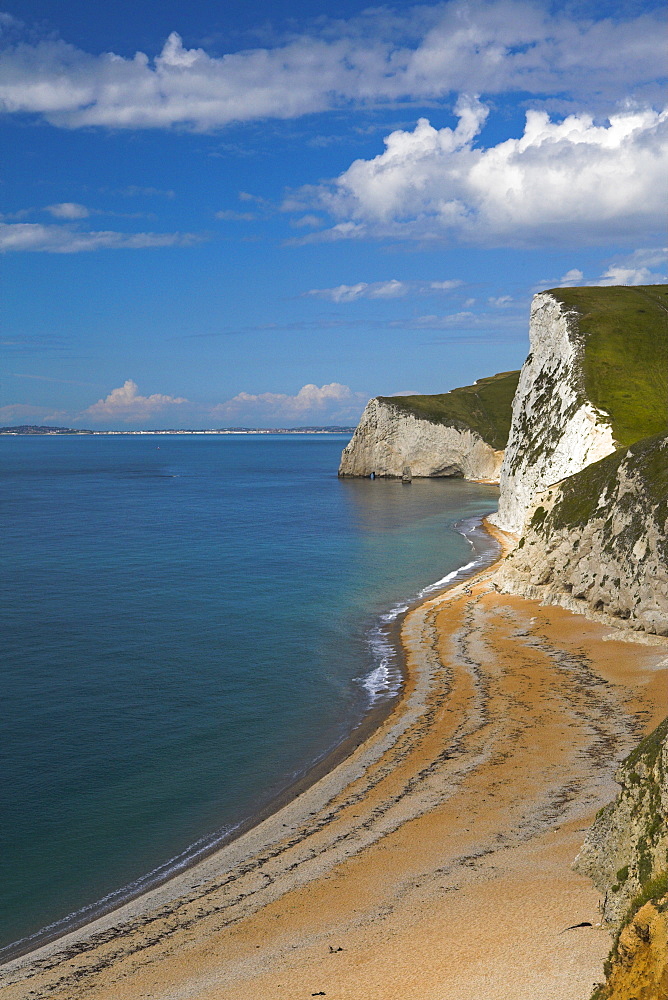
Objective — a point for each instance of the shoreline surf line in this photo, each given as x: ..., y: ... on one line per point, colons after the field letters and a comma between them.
x: 83, y: 921
x: 436, y: 861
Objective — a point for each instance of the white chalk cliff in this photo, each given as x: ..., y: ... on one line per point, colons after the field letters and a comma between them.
x: 597, y: 543
x: 388, y: 438
x: 555, y: 430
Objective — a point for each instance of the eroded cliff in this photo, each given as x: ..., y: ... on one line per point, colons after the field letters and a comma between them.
x: 596, y: 379
x: 598, y: 542
x: 626, y: 855
x: 459, y: 433
x: 637, y: 968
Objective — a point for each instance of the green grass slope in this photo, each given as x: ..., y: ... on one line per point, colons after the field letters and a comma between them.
x: 646, y: 462
x: 485, y: 407
x: 625, y: 337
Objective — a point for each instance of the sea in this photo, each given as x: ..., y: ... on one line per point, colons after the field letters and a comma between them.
x: 188, y: 624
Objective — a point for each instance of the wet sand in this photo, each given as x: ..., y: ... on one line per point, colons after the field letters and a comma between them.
x: 433, y: 862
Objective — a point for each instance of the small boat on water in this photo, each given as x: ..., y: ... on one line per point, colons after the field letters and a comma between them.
x: 406, y: 477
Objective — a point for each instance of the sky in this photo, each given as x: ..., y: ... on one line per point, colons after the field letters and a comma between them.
x: 224, y: 214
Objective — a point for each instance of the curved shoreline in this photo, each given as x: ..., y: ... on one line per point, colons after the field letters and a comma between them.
x: 82, y: 922
x: 466, y: 804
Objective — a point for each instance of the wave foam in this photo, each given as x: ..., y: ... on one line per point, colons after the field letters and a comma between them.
x: 385, y: 678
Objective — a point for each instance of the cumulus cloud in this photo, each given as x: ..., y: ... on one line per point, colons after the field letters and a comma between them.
x: 125, y: 403
x: 392, y: 289
x: 26, y: 413
x: 637, y: 268
x: 572, y: 277
x: 68, y: 210
x: 421, y: 54
x: 28, y: 236
x: 330, y: 403
x: 559, y: 180
x: 625, y: 276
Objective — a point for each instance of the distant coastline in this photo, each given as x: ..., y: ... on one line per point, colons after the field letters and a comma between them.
x: 41, y: 430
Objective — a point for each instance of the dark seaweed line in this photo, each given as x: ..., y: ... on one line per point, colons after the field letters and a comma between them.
x: 588, y: 686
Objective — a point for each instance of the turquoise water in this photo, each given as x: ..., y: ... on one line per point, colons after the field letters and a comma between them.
x: 188, y: 623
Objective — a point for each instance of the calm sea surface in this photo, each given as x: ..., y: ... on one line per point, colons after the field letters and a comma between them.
x: 187, y: 624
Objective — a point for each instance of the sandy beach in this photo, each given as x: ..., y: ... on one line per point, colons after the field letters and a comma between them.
x: 432, y: 862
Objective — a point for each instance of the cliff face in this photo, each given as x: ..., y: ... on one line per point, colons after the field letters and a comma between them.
x: 637, y: 968
x: 596, y: 379
x: 598, y: 542
x: 387, y: 439
x: 626, y: 855
x: 626, y: 850
x: 555, y: 431
x: 457, y: 433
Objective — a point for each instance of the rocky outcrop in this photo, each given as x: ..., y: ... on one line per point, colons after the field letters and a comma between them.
x: 387, y: 439
x: 626, y: 850
x: 638, y: 967
x: 598, y: 542
x: 458, y: 433
x: 556, y: 430
x: 626, y: 855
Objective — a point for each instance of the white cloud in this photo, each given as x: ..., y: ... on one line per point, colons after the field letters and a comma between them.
x: 229, y: 215
x: 572, y: 277
x: 445, y: 286
x: 26, y: 413
x: 559, y: 181
x: 390, y: 289
x: 307, y: 221
x: 342, y: 293
x: 68, y: 210
x: 637, y: 268
x: 126, y: 404
x: 421, y: 54
x: 433, y: 322
x: 501, y: 301
x: 28, y: 236
x: 625, y: 276
x: 383, y: 289
x: 330, y: 403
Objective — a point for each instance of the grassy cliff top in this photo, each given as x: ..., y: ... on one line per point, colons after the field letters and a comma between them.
x: 484, y: 407
x: 625, y: 335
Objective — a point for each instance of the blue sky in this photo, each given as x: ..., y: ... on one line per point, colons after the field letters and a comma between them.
x: 231, y: 214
